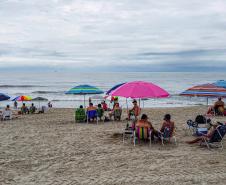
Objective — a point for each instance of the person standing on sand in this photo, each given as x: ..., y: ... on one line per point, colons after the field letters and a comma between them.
x: 15, y: 104
x: 135, y: 111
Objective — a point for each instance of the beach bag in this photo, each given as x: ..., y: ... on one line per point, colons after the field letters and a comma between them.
x: 200, y: 119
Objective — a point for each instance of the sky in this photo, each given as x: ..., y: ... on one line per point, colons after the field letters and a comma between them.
x: 118, y: 35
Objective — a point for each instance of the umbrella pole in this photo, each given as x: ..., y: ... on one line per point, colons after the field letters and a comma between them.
x: 127, y: 108
x: 84, y: 100
x: 207, y: 101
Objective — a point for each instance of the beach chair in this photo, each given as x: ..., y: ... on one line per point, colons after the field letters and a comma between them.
x: 141, y: 133
x: 80, y: 115
x: 199, y: 120
x: 216, y: 139
x: 100, y: 113
x: 117, y: 114
x: 92, y: 115
x: 167, y: 135
x: 7, y: 115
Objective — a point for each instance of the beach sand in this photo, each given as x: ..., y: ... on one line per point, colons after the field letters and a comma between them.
x: 51, y: 149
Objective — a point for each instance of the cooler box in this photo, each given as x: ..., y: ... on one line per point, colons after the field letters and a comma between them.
x: 201, y: 131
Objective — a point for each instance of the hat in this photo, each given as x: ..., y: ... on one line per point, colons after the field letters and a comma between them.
x: 134, y: 101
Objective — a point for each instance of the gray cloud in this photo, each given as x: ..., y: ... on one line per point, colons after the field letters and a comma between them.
x: 113, y: 33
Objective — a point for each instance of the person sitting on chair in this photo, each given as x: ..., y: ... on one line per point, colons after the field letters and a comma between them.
x: 205, y: 136
x: 80, y: 114
x: 135, y: 111
x: 143, y: 122
x: 7, y: 108
x: 24, y: 109
x: 114, y: 111
x: 32, y: 108
x: 90, y: 109
x: 100, y: 111
x: 217, y: 108
x: 167, y: 123
x: 104, y: 105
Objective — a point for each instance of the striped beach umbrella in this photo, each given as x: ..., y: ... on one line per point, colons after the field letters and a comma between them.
x: 84, y: 90
x: 22, y: 98
x: 205, y: 90
x: 220, y: 83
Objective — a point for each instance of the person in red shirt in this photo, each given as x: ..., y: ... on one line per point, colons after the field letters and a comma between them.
x: 104, y: 106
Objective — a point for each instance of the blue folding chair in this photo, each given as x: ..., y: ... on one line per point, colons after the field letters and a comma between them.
x: 92, y: 115
x: 167, y: 134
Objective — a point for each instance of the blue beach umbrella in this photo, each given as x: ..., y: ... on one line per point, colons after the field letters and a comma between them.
x: 113, y: 88
x: 84, y: 90
x: 220, y: 83
x: 4, y: 97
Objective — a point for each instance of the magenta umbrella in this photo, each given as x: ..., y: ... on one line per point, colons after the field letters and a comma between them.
x: 140, y: 89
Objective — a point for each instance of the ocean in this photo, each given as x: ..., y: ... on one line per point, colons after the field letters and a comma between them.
x: 52, y: 85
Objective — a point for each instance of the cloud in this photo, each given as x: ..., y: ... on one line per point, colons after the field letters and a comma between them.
x: 113, y: 33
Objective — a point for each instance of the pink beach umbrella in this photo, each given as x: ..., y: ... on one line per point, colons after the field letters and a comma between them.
x: 140, y: 89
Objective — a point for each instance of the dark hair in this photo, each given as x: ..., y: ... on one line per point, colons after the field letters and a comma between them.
x: 219, y: 98
x: 144, y: 116
x: 81, y: 107
x: 23, y: 103
x: 134, y: 101
x: 99, y: 105
x: 7, y: 106
x: 90, y: 104
x: 167, y: 117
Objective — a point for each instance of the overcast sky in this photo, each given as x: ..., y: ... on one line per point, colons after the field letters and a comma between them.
x: 122, y: 35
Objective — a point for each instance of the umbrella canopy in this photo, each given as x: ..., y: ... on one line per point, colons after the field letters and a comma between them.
x: 84, y: 89
x: 205, y: 90
x: 114, y: 88
x: 22, y: 98
x: 4, y: 97
x: 39, y: 99
x: 220, y: 83
x: 140, y: 89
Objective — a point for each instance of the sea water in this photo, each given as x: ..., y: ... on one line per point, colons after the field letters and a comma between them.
x: 52, y: 85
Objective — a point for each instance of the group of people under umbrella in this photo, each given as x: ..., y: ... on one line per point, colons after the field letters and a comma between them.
x: 139, y: 90
x: 7, y: 112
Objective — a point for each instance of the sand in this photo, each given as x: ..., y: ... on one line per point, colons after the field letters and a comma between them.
x: 51, y: 149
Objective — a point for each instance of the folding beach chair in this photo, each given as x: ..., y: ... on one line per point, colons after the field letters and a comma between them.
x: 117, y: 114
x: 80, y: 115
x: 7, y: 115
x: 92, y: 115
x: 199, y: 120
x: 141, y: 133
x: 217, y: 137
x: 167, y: 135
x: 100, y: 113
